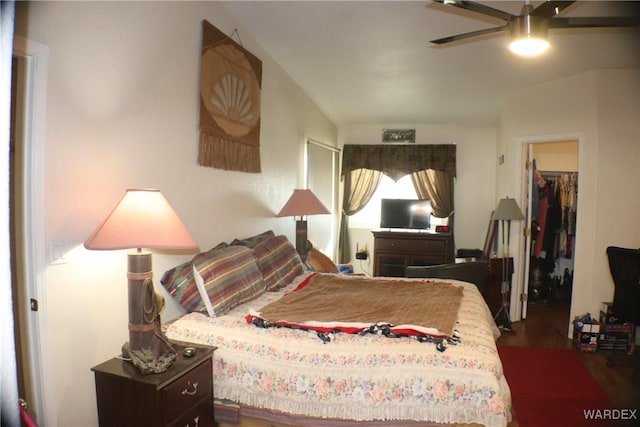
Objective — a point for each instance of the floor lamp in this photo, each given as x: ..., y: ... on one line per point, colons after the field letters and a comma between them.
x: 143, y: 219
x: 302, y: 203
x: 507, y: 211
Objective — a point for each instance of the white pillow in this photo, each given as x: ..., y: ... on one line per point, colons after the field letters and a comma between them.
x: 203, y: 292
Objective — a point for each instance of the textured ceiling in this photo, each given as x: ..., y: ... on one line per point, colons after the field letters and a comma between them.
x: 370, y: 62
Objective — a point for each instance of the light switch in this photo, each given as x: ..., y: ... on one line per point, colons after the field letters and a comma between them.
x: 57, y: 251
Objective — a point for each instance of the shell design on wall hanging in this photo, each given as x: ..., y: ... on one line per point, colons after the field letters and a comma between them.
x: 231, y: 96
x: 231, y: 92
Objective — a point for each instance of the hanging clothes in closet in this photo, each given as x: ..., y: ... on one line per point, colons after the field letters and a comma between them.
x: 555, y: 214
x: 554, y: 232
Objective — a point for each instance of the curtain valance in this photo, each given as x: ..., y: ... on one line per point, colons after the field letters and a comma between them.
x: 396, y: 161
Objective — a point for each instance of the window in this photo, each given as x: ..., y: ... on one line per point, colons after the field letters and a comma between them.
x: 369, y: 216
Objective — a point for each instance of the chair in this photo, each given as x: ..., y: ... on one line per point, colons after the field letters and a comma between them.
x: 473, y: 272
x: 624, y: 265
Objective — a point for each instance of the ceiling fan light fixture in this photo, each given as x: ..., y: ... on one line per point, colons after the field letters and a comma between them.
x: 529, y: 46
x: 528, y: 36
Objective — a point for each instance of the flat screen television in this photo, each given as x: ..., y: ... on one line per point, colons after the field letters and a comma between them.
x: 405, y: 213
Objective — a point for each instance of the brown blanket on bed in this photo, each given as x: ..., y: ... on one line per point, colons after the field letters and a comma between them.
x: 335, y: 298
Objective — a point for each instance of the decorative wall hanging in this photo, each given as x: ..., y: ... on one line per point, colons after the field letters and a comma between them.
x: 230, y: 85
x: 399, y: 135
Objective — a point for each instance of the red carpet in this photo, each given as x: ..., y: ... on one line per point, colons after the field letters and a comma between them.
x: 551, y: 388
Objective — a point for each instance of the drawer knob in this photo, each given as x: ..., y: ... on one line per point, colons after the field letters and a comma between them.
x: 187, y: 392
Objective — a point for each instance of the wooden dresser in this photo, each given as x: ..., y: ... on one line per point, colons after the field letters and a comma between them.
x: 395, y: 250
x: 181, y: 396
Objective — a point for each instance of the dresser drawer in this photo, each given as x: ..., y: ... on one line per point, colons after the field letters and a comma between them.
x: 411, y: 245
x: 199, y: 416
x: 182, y: 394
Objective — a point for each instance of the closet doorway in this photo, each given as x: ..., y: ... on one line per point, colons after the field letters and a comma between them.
x: 552, y: 200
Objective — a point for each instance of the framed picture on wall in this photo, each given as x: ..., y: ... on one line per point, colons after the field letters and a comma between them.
x: 399, y: 135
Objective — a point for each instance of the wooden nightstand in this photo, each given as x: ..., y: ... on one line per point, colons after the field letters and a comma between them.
x: 181, y: 396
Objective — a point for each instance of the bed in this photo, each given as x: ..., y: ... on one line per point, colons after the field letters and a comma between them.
x: 293, y: 376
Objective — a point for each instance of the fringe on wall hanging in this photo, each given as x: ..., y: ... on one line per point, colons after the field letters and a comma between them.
x: 230, y: 85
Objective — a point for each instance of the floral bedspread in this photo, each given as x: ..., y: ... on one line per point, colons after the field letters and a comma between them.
x: 355, y: 377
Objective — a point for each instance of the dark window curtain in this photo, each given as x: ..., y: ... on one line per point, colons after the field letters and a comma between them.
x: 437, y: 186
x: 9, y: 408
x: 359, y: 186
x: 396, y: 160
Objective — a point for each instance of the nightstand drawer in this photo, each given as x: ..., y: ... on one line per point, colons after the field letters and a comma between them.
x: 200, y: 416
x: 189, y: 389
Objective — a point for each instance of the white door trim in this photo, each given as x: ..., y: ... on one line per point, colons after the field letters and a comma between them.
x: 36, y: 59
x: 518, y: 289
x: 528, y: 194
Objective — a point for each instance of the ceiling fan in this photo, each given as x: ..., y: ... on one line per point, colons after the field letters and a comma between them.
x: 529, y: 29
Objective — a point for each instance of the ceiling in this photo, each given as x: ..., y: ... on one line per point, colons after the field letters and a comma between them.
x: 371, y: 63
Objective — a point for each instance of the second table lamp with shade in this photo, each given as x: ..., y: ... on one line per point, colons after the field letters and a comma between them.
x: 302, y: 203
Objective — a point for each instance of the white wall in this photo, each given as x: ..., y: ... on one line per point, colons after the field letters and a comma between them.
x: 602, y: 110
x: 123, y: 112
x: 474, y: 188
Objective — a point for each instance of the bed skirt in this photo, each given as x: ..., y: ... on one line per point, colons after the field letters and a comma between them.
x: 232, y: 415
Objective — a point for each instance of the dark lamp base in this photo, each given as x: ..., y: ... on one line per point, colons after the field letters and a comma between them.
x: 302, y: 245
x: 145, y: 360
x: 148, y: 348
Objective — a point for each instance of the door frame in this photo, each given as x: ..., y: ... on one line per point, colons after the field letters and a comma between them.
x: 527, y: 193
x: 519, y: 290
x: 34, y: 57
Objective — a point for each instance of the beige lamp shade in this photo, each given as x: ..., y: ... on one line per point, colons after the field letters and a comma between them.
x: 142, y: 219
x: 303, y: 202
x: 507, y: 209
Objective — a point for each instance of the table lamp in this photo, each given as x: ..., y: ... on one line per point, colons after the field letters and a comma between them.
x: 143, y: 219
x: 507, y: 211
x: 302, y: 203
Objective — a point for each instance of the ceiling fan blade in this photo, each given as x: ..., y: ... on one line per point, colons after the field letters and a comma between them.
x: 478, y: 8
x: 468, y: 35
x: 603, y: 21
x: 549, y: 9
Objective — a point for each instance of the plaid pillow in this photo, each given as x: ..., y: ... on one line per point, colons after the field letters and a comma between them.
x: 230, y: 276
x: 179, y: 283
x: 253, y: 241
x: 278, y: 262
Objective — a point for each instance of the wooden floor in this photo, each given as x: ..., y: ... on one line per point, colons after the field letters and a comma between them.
x: 547, y: 326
